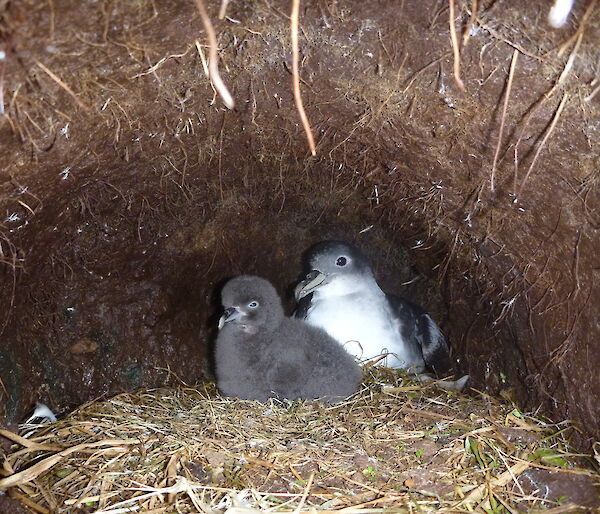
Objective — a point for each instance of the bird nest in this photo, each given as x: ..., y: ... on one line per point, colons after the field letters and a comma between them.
x: 394, y: 446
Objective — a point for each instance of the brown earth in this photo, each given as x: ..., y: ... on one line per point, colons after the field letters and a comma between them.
x: 124, y: 205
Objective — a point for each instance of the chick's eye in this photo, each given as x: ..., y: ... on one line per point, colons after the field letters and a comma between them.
x: 253, y: 304
x: 341, y: 261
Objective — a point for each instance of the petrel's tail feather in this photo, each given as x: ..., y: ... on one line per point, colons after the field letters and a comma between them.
x: 436, y: 352
x: 448, y: 385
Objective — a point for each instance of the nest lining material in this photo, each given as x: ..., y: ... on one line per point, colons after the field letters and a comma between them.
x: 394, y: 446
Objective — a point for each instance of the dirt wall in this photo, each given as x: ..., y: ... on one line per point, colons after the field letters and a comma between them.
x: 128, y: 192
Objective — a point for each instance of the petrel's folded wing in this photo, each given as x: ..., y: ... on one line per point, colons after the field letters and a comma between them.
x: 420, y: 329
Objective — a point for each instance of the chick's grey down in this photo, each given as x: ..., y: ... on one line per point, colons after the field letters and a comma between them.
x: 340, y: 295
x: 260, y: 353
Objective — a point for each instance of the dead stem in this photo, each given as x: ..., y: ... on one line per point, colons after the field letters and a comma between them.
x: 511, y: 73
x: 455, y: 49
x: 296, y: 76
x: 213, y: 57
x: 542, y: 144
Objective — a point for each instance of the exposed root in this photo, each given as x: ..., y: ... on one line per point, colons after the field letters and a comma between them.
x: 455, y: 49
x: 56, y: 79
x: 560, y: 353
x: 52, y: 20
x: 594, y: 92
x: 588, y: 12
x: 570, y: 60
x: 9, y: 258
x: 296, y: 76
x: 471, y: 23
x: 513, y: 64
x: 421, y: 70
x: 155, y: 67
x: 2, y: 65
x: 213, y: 57
x: 541, y: 102
x: 543, y: 143
x: 223, y: 9
x: 495, y: 34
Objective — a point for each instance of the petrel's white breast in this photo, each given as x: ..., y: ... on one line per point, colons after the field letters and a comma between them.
x: 362, y: 320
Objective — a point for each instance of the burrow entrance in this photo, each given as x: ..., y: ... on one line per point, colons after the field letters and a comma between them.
x: 127, y: 200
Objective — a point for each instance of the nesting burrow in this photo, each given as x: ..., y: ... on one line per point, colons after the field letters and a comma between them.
x: 129, y: 192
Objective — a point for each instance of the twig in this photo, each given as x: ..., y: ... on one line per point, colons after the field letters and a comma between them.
x: 63, y: 85
x: 213, y: 57
x: 550, y: 130
x: 511, y: 74
x: 296, y: 76
x: 455, y: 49
x: 471, y: 22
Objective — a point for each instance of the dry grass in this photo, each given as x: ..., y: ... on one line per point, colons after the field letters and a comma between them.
x: 394, y: 446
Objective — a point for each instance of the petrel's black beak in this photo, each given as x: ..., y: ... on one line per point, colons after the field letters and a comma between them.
x: 230, y: 314
x: 311, y: 282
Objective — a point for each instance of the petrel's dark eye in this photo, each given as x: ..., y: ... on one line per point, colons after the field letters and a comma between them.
x: 341, y: 261
x: 253, y: 304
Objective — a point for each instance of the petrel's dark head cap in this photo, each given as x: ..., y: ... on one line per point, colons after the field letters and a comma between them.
x: 337, y: 256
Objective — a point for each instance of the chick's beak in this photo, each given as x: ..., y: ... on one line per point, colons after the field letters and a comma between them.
x: 230, y: 314
x: 311, y: 282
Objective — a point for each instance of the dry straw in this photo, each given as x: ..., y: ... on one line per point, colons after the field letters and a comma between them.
x: 395, y: 446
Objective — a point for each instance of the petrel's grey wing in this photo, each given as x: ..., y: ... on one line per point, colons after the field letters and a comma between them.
x: 289, y: 370
x: 418, y: 327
